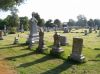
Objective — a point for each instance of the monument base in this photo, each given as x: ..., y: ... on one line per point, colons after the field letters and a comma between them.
x: 77, y: 58
x: 40, y: 50
x: 56, y: 51
x: 33, y: 39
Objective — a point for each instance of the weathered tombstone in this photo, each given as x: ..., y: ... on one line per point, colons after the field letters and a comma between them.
x: 56, y: 46
x: 34, y: 36
x: 22, y: 29
x: 99, y: 33
x: 5, y: 30
x: 85, y: 32
x: 90, y: 30
x: 66, y: 30
x: 41, y: 45
x: 77, y: 50
x: 16, y: 40
x: 1, y: 35
x: 63, y: 40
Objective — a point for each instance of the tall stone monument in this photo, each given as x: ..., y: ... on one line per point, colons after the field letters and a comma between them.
x: 76, y: 54
x: 41, y: 46
x: 1, y: 35
x: 33, y: 36
x: 22, y: 29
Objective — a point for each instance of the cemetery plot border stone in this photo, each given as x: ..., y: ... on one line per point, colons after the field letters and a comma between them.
x: 1, y: 35
x: 76, y: 54
x: 56, y: 49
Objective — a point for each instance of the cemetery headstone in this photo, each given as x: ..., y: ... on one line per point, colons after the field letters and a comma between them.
x: 77, y: 50
x: 1, y: 35
x: 33, y: 36
x: 22, y: 29
x: 66, y: 30
x: 5, y: 30
x: 16, y: 40
x: 56, y: 46
x: 90, y: 30
x: 63, y: 40
x: 41, y: 45
x: 99, y: 33
x: 85, y: 32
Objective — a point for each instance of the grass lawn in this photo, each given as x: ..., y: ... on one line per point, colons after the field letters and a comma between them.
x: 26, y: 61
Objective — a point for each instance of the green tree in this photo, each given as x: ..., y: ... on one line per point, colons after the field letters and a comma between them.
x: 49, y: 23
x: 57, y: 22
x: 71, y: 22
x: 82, y: 21
x: 2, y: 23
x: 40, y: 21
x: 25, y: 22
x: 91, y: 23
x: 7, y: 4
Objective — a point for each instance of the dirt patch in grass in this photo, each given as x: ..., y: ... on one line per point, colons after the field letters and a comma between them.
x: 5, y: 68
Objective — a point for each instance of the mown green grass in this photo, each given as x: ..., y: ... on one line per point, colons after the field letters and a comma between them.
x: 26, y: 61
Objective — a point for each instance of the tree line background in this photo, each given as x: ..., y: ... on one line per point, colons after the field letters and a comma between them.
x: 14, y: 22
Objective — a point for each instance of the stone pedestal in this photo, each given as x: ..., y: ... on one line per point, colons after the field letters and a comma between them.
x: 32, y: 39
x: 1, y: 35
x: 77, y: 50
x: 63, y: 40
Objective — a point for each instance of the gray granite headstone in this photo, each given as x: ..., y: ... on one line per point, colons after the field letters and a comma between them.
x: 22, y: 29
x: 66, y: 30
x: 1, y: 35
x: 56, y: 46
x: 76, y: 54
x: 99, y: 33
x: 85, y: 32
x: 33, y: 36
x: 63, y: 40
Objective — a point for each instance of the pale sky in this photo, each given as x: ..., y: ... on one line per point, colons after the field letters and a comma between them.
x: 59, y: 9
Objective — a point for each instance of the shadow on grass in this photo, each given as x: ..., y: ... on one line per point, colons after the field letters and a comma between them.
x: 96, y: 48
x: 62, y: 67
x: 19, y: 56
x: 98, y: 56
x: 12, y: 46
x: 94, y: 60
x: 43, y: 59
